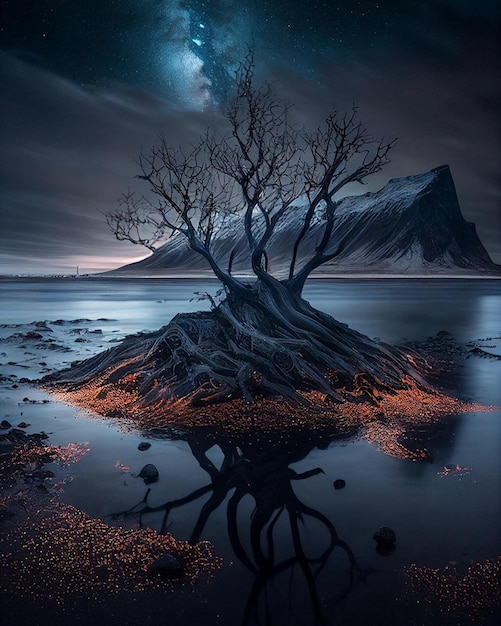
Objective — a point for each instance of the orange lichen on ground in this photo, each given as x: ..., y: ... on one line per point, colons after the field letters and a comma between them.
x: 58, y: 551
x: 395, y: 414
x: 477, y: 594
x: 51, y: 550
x: 385, y: 417
x: 32, y: 453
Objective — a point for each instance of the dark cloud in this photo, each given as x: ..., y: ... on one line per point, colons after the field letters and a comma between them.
x: 67, y: 154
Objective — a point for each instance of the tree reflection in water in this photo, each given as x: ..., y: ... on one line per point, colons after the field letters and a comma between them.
x: 260, y: 470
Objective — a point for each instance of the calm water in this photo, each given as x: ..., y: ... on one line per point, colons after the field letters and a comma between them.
x: 437, y: 520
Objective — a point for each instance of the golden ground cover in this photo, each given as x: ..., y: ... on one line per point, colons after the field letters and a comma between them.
x: 51, y: 550
x: 384, y: 419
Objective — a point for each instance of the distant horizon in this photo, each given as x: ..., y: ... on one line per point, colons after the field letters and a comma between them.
x: 210, y: 276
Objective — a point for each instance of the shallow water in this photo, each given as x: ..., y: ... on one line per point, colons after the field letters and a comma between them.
x: 437, y: 519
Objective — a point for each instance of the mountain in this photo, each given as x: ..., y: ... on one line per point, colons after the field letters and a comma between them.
x: 412, y: 226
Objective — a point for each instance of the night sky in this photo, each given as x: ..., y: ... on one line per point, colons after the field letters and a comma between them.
x: 85, y: 85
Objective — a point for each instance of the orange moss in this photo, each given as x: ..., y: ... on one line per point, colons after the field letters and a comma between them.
x: 53, y: 550
x: 477, y: 594
x: 58, y: 551
x: 384, y: 418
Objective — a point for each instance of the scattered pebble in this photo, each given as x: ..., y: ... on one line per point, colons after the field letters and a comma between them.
x: 149, y: 474
x: 385, y: 539
x: 166, y: 566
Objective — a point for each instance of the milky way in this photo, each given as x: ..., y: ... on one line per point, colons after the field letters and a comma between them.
x: 188, y: 50
x: 196, y: 46
x: 196, y: 50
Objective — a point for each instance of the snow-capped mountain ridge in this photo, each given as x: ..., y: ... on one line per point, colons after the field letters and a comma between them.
x: 412, y: 225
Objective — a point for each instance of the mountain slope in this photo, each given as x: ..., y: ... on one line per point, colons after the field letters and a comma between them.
x: 412, y: 225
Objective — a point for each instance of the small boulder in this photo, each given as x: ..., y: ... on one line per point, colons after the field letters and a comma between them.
x: 23, y: 425
x: 149, y: 474
x: 144, y: 445
x: 385, y: 538
x: 339, y: 483
x: 442, y: 334
x: 5, y: 424
x: 385, y: 535
x: 166, y: 566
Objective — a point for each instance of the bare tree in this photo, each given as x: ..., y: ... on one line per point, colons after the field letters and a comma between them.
x: 258, y: 170
x: 263, y: 337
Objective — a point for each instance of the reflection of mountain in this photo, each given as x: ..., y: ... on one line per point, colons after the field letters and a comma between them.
x: 413, y: 225
x: 274, y: 544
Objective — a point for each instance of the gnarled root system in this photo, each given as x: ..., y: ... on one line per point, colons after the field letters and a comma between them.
x: 274, y: 345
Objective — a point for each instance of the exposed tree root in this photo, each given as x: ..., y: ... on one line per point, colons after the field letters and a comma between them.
x: 245, y: 348
x: 240, y: 368
x: 384, y: 424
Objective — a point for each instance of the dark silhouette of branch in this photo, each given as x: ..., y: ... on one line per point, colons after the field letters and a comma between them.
x: 265, y: 477
x: 255, y: 171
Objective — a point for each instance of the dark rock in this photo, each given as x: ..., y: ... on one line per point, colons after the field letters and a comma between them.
x: 144, y: 446
x: 5, y: 424
x: 43, y: 325
x: 385, y: 549
x: 32, y: 335
x: 38, y: 475
x: 442, y: 334
x: 39, y: 436
x: 17, y: 436
x: 385, y: 536
x: 339, y: 483
x: 149, y: 473
x: 166, y: 566
x: 23, y: 425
